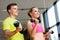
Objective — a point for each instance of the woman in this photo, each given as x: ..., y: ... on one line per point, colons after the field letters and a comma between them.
x: 34, y: 26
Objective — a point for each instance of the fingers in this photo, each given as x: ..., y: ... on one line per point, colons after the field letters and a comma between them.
x: 36, y: 21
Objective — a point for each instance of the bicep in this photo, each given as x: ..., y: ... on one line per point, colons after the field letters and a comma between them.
x: 6, y: 26
x: 29, y: 27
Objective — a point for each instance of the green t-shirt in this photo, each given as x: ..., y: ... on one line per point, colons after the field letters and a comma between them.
x: 8, y: 25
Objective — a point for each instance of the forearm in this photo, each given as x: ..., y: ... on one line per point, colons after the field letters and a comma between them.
x: 34, y: 30
x: 9, y: 34
x: 47, y: 34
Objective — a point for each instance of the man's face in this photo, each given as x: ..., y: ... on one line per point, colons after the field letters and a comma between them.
x: 14, y: 10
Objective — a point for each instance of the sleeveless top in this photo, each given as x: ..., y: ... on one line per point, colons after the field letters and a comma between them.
x: 39, y: 27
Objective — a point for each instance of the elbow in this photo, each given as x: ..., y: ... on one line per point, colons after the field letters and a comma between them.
x: 32, y: 35
x: 7, y: 35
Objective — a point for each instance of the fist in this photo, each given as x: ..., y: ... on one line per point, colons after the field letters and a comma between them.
x: 36, y: 21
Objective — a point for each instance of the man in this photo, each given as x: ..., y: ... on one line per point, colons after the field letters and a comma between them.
x: 12, y: 32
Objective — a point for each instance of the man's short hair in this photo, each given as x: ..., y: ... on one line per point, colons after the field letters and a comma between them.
x: 9, y: 6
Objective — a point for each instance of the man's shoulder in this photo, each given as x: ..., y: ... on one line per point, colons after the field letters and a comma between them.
x: 6, y: 19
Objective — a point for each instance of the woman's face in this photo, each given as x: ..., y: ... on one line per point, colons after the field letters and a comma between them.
x: 35, y: 13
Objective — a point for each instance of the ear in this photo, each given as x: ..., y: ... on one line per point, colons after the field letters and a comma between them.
x: 8, y: 10
x: 30, y: 13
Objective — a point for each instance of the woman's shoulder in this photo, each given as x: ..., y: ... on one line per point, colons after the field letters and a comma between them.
x: 29, y: 21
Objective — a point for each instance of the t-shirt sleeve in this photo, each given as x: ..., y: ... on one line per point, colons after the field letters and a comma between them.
x: 6, y: 26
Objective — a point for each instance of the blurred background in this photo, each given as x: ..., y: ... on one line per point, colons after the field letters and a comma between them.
x: 47, y: 18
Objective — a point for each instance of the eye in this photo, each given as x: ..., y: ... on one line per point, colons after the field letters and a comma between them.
x: 35, y: 11
x: 14, y: 8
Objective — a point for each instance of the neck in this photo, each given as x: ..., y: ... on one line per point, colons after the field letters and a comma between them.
x: 12, y: 16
